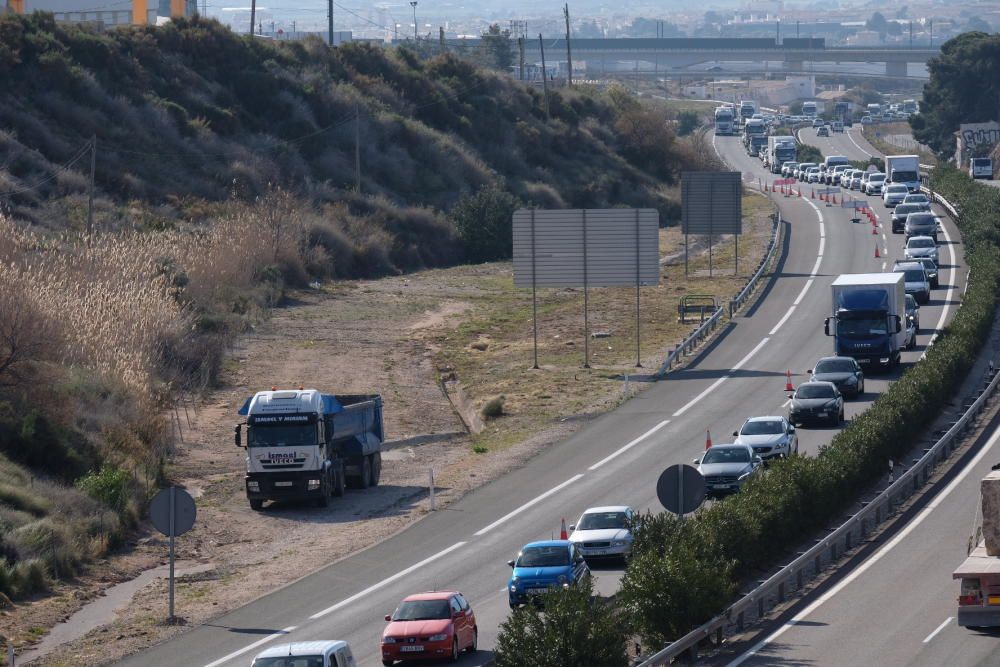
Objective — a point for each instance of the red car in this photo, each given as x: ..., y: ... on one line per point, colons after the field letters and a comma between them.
x: 430, y: 625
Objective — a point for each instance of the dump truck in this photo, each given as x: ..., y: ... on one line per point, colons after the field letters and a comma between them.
x: 303, y: 444
x: 867, y: 315
x: 979, y: 574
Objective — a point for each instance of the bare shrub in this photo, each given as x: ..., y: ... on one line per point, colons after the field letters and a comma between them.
x: 27, y: 334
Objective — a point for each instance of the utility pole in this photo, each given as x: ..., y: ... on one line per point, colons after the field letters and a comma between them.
x: 357, y: 148
x: 569, y: 55
x: 329, y: 19
x: 520, y: 48
x: 545, y: 76
x: 797, y: 29
x: 90, y: 198
x: 253, y: 15
x: 413, y: 3
x: 930, y: 37
x: 911, y: 34
x: 441, y: 37
x: 777, y: 39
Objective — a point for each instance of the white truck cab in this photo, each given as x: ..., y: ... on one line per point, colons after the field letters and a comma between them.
x: 330, y: 653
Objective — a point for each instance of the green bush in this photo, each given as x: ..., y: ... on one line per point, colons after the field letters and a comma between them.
x: 483, y: 221
x: 574, y: 630
x: 111, y: 485
x: 807, y: 153
x: 798, y: 496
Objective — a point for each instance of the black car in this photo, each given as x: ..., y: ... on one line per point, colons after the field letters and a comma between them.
x: 844, y: 372
x: 913, y: 311
x: 816, y: 401
x: 931, y: 268
x: 899, y: 215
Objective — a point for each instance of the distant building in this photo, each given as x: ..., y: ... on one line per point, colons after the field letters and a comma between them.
x: 104, y: 12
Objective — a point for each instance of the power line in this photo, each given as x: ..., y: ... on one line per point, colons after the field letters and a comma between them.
x: 55, y: 173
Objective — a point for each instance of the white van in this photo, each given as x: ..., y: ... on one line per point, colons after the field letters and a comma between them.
x: 832, y: 161
x: 981, y: 167
x: 328, y: 653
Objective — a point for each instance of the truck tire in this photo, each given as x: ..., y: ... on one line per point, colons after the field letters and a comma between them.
x: 256, y: 504
x: 339, y: 483
x: 366, y: 472
x: 323, y: 500
x: 376, y: 468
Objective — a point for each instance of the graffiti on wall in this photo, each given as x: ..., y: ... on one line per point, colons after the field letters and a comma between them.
x: 979, y: 134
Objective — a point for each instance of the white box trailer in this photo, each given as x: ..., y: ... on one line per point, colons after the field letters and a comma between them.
x: 866, y: 317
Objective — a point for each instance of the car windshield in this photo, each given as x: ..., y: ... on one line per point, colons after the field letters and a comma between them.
x: 835, y: 366
x: 281, y: 435
x: 905, y: 209
x: 290, y: 661
x: 543, y: 557
x: 603, y: 520
x: 920, y: 218
x: 914, y: 275
x: 928, y: 263
x: 921, y: 243
x: 814, y: 391
x: 422, y: 610
x: 862, y: 327
x: 727, y: 455
x: 763, y: 427
x: 897, y: 189
x: 916, y: 199
x: 876, y: 178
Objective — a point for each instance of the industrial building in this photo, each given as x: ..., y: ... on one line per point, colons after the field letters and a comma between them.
x: 106, y: 12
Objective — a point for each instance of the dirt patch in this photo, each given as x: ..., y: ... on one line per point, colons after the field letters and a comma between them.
x: 406, y: 338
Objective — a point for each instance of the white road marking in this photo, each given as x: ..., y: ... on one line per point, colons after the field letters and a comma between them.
x: 822, y: 245
x: 782, y: 321
x: 822, y: 230
x: 856, y: 144
x: 785, y: 404
x: 528, y: 504
x: 883, y: 266
x: 629, y: 445
x: 909, y: 528
x: 802, y: 294
x: 722, y: 379
x: 815, y: 269
x: 399, y: 575
x: 941, y: 627
x: 245, y: 649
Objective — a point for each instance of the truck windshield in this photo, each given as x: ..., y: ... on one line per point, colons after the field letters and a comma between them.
x: 282, y: 435
x: 862, y: 328
x: 904, y: 177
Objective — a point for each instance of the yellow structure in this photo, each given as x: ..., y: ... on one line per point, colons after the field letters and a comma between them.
x: 176, y: 9
x: 139, y: 12
x: 17, y: 6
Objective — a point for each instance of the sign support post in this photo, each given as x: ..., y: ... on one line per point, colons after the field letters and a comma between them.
x: 173, y: 520
x: 586, y: 323
x: 638, y: 356
x: 534, y: 285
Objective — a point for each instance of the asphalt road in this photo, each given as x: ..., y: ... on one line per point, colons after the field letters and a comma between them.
x: 615, y: 459
x: 898, y: 606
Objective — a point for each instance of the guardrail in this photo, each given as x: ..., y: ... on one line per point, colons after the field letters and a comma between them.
x: 688, y: 345
x: 791, y: 577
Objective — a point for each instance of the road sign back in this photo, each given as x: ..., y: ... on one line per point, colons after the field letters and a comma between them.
x: 184, y: 511
x: 681, y: 489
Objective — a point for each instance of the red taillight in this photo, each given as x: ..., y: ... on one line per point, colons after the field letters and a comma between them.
x: 967, y: 600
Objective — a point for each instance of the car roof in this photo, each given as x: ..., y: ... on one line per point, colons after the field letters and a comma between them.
x: 728, y: 445
x: 547, y: 543
x: 920, y: 238
x: 607, y: 508
x: 834, y: 358
x: 430, y: 595
x: 817, y: 382
x: 768, y: 418
x: 302, y: 648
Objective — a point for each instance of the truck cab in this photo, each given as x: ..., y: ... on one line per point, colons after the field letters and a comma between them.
x: 303, y: 444
x: 979, y: 574
x: 866, y: 322
x: 327, y: 653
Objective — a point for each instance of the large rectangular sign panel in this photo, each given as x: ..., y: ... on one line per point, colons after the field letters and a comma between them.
x: 711, y: 202
x: 586, y: 247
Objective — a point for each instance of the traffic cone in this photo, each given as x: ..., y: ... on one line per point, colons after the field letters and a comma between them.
x: 814, y: 193
x: 878, y: 255
x: 788, y: 381
x: 874, y: 230
x: 563, y: 535
x: 708, y: 439
x: 765, y: 187
x: 834, y: 200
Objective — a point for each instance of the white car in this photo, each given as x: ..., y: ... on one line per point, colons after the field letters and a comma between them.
x: 788, y: 168
x: 604, y: 532
x: 921, y: 246
x: 873, y: 186
x: 893, y: 194
x: 328, y: 653
x: 770, y: 437
x: 812, y: 176
x: 855, y: 182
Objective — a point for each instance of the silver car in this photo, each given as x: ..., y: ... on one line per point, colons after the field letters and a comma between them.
x: 604, y: 532
x: 920, y: 223
x: 874, y: 184
x: 726, y: 468
x: 894, y: 194
x: 770, y: 437
x: 915, y: 280
x: 812, y: 176
x: 921, y: 246
x: 920, y: 199
x: 856, y: 177
x: 788, y: 168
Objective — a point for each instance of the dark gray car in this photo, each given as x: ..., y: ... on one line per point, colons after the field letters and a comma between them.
x: 920, y: 224
x: 816, y: 401
x: 931, y: 268
x: 899, y: 216
x: 843, y: 372
x: 726, y: 468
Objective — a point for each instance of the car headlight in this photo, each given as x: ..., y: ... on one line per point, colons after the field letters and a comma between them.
x: 831, y: 404
x: 437, y: 638
x: 515, y: 582
x: 745, y: 475
x: 313, y: 484
x: 561, y: 578
x: 253, y: 485
x: 388, y: 640
x: 619, y: 543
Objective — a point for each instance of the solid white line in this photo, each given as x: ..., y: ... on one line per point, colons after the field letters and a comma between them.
x: 782, y: 321
x: 700, y: 396
x: 822, y: 246
x: 951, y: 281
x: 399, y: 575
x: 802, y: 294
x: 739, y: 364
x: 939, y: 629
x: 883, y: 266
x: 816, y: 266
x: 528, y: 504
x: 822, y: 230
x: 630, y: 445
x: 856, y: 144
x: 251, y: 647
x: 877, y: 556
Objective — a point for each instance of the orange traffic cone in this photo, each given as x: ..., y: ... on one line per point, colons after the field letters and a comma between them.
x: 834, y: 200
x: 562, y: 530
x: 788, y: 381
x: 708, y: 439
x: 814, y: 193
x: 874, y: 230
x: 878, y: 255
x: 765, y: 187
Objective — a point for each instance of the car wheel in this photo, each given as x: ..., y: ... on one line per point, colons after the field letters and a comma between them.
x: 861, y: 388
x: 256, y: 504
x: 474, y: 646
x: 388, y: 663
x: 454, y: 649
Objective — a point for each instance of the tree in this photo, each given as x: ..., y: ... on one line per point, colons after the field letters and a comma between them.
x: 498, y: 45
x: 647, y: 141
x: 687, y: 122
x: 483, y: 222
x: 574, y: 630
x: 27, y: 335
x: 893, y: 28
x: 964, y: 87
x: 877, y: 23
x: 978, y: 24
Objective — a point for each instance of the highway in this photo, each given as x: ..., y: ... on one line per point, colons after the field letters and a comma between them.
x: 898, y: 606
x: 614, y: 459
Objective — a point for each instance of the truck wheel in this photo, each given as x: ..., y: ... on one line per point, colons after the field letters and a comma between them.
x: 366, y: 472
x: 339, y: 483
x: 324, y: 498
x: 376, y: 468
x: 256, y: 504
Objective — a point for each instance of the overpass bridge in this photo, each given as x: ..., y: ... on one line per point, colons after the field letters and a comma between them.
x: 679, y: 53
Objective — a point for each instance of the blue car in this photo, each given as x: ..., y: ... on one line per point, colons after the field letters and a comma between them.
x: 543, y: 565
